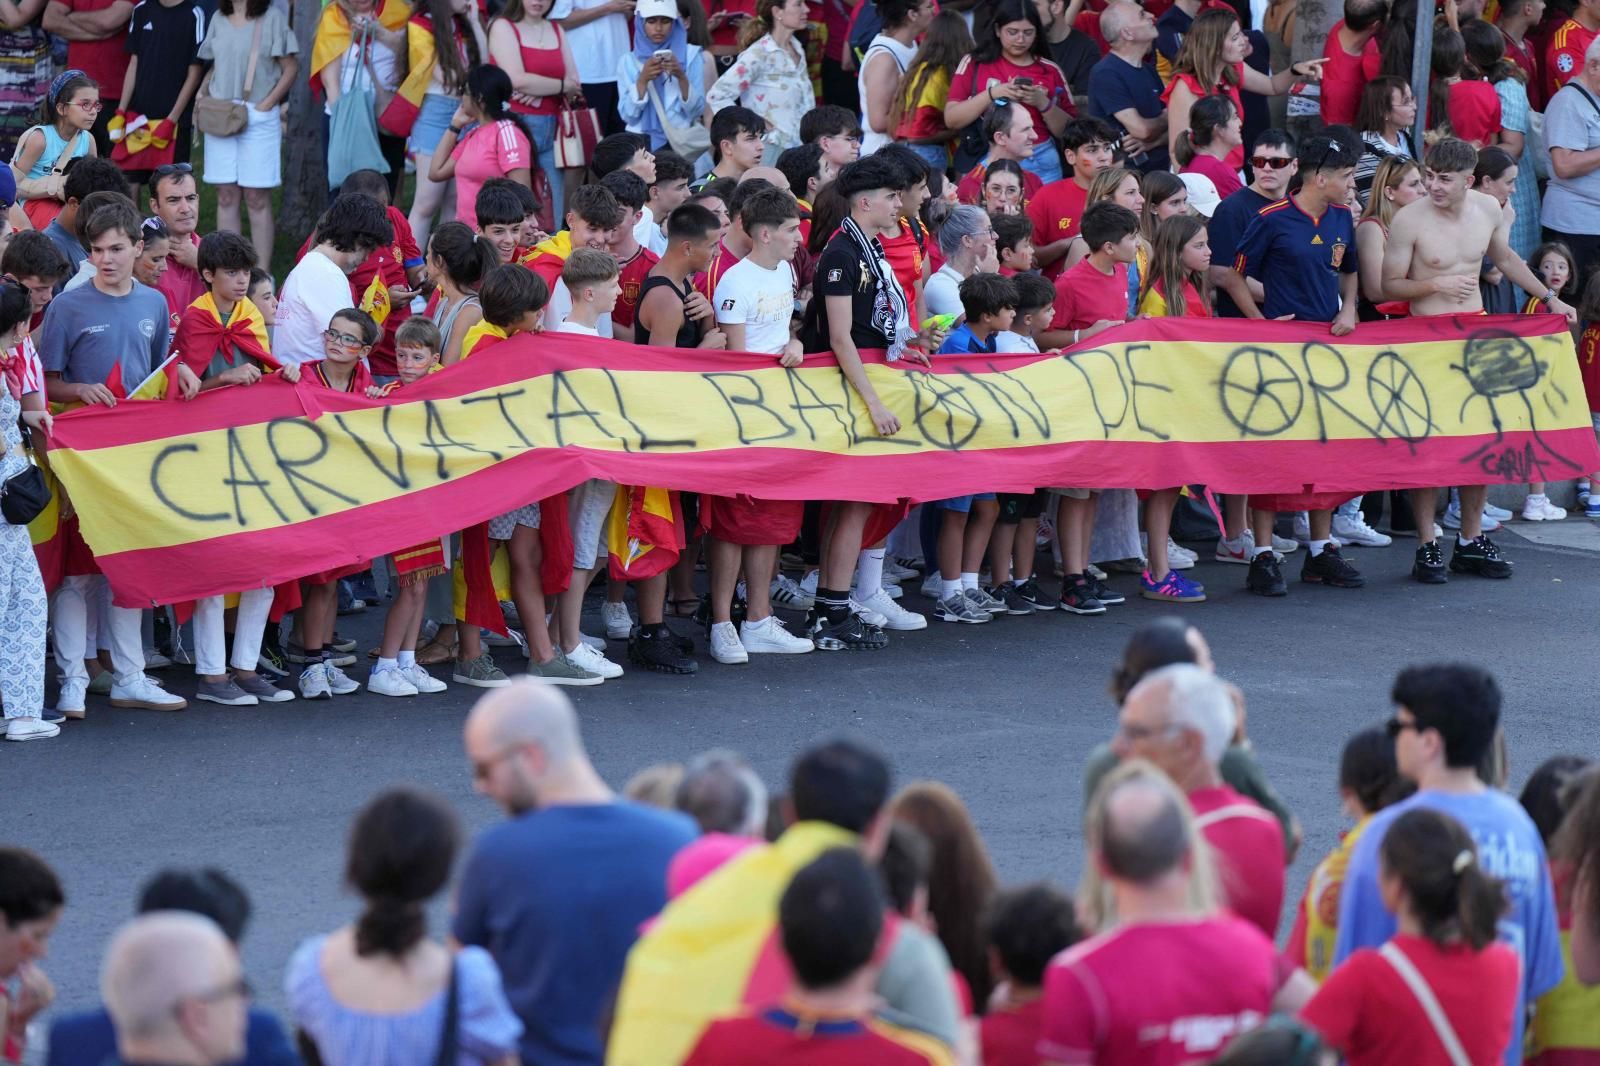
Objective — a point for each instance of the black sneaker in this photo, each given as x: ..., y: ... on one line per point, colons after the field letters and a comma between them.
x: 1429, y: 565
x: 849, y: 634
x: 1034, y: 596
x: 1479, y: 556
x: 1008, y: 595
x: 1330, y: 569
x: 1266, y: 576
x: 1105, y: 593
x: 272, y: 660
x: 659, y: 651
x: 1077, y: 596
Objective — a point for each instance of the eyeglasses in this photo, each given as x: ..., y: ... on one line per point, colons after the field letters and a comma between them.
x: 344, y: 340
x: 91, y: 107
x: 1270, y: 162
x: 1136, y: 733
x: 1395, y: 726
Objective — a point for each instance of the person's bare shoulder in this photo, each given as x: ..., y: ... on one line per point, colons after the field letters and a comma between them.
x: 1408, y: 220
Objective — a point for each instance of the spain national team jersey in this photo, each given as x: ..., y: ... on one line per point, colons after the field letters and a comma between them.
x: 631, y: 276
x: 778, y: 1037
x: 1298, y: 259
x: 1564, y: 57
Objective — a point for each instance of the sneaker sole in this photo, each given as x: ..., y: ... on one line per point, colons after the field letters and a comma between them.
x: 1118, y: 602
x: 481, y: 682
x: 247, y: 701
x: 283, y: 696
x: 397, y: 695
x: 779, y: 651
x: 572, y: 682
x: 1334, y: 584
x: 315, y: 695
x: 968, y: 619
x: 1242, y: 560
x: 732, y: 661
x: 147, y: 705
x: 1274, y: 592
x: 835, y: 644
x: 1070, y: 609
x: 42, y: 734
x: 1474, y: 571
x: 267, y: 666
x: 1429, y: 577
x: 1201, y: 598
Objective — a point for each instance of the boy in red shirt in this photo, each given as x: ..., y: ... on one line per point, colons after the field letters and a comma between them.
x: 1090, y: 298
x: 1027, y: 927
x: 634, y: 261
x: 1056, y: 210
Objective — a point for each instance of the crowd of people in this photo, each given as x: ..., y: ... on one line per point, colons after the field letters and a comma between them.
x: 998, y: 179
x: 691, y: 917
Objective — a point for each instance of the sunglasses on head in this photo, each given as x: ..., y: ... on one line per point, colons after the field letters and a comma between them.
x: 1264, y: 162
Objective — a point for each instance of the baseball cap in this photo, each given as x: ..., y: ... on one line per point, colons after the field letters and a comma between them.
x: 651, y: 9
x: 1202, y: 193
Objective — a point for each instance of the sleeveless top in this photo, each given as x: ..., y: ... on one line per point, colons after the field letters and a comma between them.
x: 689, y: 332
x: 871, y: 140
x: 54, y: 145
x: 545, y: 61
x: 445, y: 314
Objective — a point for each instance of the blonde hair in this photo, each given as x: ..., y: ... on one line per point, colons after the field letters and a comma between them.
x: 1390, y: 173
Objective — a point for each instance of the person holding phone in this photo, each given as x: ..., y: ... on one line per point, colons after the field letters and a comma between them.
x: 1012, y: 66
x: 664, y: 67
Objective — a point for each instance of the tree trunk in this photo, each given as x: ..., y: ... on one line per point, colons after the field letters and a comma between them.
x: 305, y: 187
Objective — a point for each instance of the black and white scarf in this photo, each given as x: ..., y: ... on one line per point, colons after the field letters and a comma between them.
x: 890, y: 314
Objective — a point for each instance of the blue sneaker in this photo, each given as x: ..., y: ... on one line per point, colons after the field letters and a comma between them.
x: 1174, y: 588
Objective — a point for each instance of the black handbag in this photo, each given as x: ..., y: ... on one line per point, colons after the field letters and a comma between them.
x: 971, y: 146
x: 24, y: 496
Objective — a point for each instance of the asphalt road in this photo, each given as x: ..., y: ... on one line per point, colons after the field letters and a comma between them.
x: 1004, y: 713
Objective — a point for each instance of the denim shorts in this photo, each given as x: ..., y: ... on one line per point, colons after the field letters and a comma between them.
x: 963, y: 504
x: 432, y: 120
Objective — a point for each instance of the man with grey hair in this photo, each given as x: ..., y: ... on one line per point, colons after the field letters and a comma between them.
x: 1174, y: 976
x: 966, y: 238
x: 172, y: 983
x: 557, y: 892
x: 1182, y: 718
x: 723, y: 795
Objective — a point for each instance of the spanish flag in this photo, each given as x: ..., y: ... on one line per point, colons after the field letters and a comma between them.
x: 645, y: 533
x: 401, y: 114
x: 714, y: 949
x: 549, y: 256
x: 333, y: 37
x: 162, y: 384
x: 201, y: 334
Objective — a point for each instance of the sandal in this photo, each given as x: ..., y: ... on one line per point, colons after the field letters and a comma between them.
x: 434, y: 653
x: 682, y: 607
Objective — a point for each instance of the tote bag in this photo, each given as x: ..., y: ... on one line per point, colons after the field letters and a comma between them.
x: 577, y: 132
x: 353, y: 129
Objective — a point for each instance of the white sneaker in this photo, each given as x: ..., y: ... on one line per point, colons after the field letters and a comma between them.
x: 145, y: 693
x: 868, y: 614
x: 726, y: 646
x: 588, y: 658
x: 36, y: 728
x: 786, y: 592
x: 619, y: 623
x: 895, y: 616
x: 69, y: 701
x: 339, y: 683
x: 1238, y: 550
x: 154, y: 660
x: 389, y: 681
x: 597, y: 643
x: 423, y: 681
x: 933, y: 587
x: 770, y: 637
x: 1281, y: 545
x: 808, y: 584
x: 893, y: 571
x: 1302, y: 527
x: 314, y: 682
x: 1353, y: 529
x: 1540, y: 509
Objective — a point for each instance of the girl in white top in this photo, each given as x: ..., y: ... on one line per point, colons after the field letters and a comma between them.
x: 885, y: 63
x: 770, y: 75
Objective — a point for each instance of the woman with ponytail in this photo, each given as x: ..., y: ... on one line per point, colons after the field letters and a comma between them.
x: 1442, y: 991
x: 485, y: 139
x: 380, y: 991
x: 1215, y: 133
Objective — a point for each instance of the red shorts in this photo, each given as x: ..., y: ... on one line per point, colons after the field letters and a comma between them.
x: 751, y: 522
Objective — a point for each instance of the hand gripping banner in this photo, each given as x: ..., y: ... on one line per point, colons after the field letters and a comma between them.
x: 249, y: 486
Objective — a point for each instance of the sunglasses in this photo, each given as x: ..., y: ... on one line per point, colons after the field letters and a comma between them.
x: 1264, y: 162
x: 344, y: 340
x: 173, y: 168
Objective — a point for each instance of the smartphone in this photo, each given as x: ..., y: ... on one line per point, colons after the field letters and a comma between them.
x: 1026, y: 83
x: 662, y: 53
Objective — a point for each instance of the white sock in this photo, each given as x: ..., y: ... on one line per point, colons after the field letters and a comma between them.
x: 949, y: 589
x: 407, y: 659
x: 1318, y: 545
x: 1260, y: 551
x: 969, y: 581
x: 1462, y: 541
x: 385, y: 664
x: 869, y: 573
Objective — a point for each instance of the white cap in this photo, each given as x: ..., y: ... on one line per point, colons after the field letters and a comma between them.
x: 655, y: 9
x: 1202, y: 193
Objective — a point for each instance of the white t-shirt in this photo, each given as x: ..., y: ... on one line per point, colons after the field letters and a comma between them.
x: 761, y: 300
x: 560, y: 306
x: 1007, y: 342
x: 596, y: 46
x: 648, y: 232
x: 315, y: 290
x: 577, y: 327
x: 942, y: 293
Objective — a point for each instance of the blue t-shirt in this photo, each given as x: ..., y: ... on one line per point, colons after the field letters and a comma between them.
x: 962, y: 341
x: 90, y: 1037
x: 1227, y: 226
x: 86, y: 333
x: 1116, y: 85
x: 1509, y: 848
x: 1298, y: 259
x: 557, y: 896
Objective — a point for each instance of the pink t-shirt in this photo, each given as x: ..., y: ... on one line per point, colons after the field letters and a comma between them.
x: 1248, y: 842
x: 1158, y: 994
x: 487, y: 151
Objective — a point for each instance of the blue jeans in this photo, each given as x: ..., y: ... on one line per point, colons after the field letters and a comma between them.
x: 544, y: 142
x: 1045, y: 163
x: 935, y: 155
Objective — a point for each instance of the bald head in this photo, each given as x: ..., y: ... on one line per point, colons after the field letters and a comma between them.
x: 772, y: 174
x: 527, y: 711
x: 1119, y: 16
x: 158, y: 961
x: 1140, y: 827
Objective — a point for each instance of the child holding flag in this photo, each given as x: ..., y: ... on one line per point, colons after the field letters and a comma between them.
x: 221, y: 338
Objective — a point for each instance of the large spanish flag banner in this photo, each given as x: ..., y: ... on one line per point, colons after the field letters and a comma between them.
x: 251, y: 486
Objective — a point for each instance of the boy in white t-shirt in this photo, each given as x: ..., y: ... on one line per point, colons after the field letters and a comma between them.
x: 755, y: 306
x: 1036, y: 306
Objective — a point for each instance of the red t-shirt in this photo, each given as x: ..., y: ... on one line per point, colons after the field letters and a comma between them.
x: 1563, y: 59
x: 1158, y: 994
x: 1589, y: 363
x: 106, y: 60
x: 728, y: 32
x: 969, y: 190
x: 1045, y: 74
x: 1009, y: 1035
x: 1248, y: 842
x: 180, y: 285
x: 1085, y: 296
x: 1475, y: 111
x: 1224, y: 177
x: 632, y: 276
x: 706, y: 282
x: 1231, y: 90
x: 1366, y: 1010
x: 776, y: 1037
x: 1344, y: 76
x: 905, y: 252
x: 1526, y: 56
x: 1056, y: 211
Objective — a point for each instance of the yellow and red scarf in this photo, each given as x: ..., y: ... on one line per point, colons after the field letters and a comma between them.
x: 201, y: 334
x: 333, y: 38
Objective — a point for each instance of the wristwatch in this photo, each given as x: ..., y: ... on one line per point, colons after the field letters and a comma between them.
x: 1549, y: 294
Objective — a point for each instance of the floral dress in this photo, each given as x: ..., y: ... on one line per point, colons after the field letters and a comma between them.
x: 22, y: 600
x: 774, y: 83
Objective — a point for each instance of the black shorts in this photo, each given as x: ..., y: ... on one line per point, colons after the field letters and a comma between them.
x: 1015, y: 506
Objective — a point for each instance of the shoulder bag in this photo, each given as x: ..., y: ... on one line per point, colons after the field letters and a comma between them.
x: 1428, y: 1002
x: 353, y: 128
x: 24, y: 495
x: 577, y: 132
x: 691, y: 141
x: 216, y: 117
x: 970, y: 144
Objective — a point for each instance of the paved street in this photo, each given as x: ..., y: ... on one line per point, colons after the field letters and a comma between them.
x: 1004, y: 713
